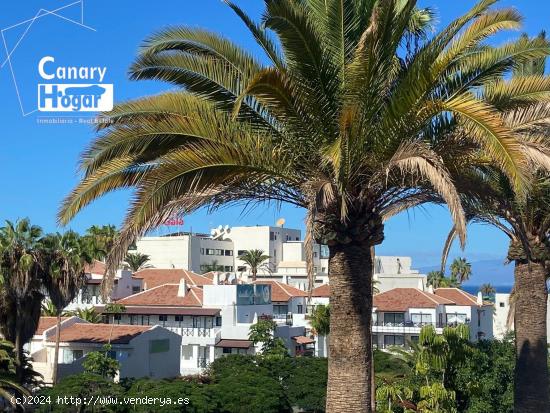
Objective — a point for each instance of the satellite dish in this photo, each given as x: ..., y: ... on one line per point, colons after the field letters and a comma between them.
x: 212, y: 232
x: 226, y: 228
x: 220, y: 227
x: 280, y: 222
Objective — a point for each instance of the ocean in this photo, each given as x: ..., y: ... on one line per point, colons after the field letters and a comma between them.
x: 473, y: 289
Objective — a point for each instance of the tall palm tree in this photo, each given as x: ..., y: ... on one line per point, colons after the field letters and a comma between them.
x: 137, y: 261
x: 490, y: 198
x: 487, y: 290
x: 65, y: 257
x: 100, y: 240
x: 255, y: 260
x: 8, y: 379
x: 461, y: 270
x: 20, y: 293
x: 344, y: 121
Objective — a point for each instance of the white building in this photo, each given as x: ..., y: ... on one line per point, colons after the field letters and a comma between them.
x: 500, y: 317
x: 142, y: 351
x: 400, y: 314
x: 396, y: 272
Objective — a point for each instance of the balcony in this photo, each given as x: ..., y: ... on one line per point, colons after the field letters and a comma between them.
x: 410, y: 326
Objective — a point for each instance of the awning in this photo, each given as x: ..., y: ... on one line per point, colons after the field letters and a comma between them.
x: 234, y: 344
x: 303, y: 340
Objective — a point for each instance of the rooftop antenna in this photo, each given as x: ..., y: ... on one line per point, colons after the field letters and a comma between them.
x: 280, y: 222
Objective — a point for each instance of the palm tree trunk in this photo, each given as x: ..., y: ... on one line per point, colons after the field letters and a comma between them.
x: 254, y: 274
x: 350, y: 362
x: 56, y: 353
x: 19, y: 344
x: 531, y: 373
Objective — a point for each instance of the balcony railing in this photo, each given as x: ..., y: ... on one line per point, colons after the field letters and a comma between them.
x: 202, y: 362
x: 193, y: 331
x: 412, y: 324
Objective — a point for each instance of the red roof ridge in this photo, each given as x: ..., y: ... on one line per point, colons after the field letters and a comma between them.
x: 434, y: 300
x: 143, y: 292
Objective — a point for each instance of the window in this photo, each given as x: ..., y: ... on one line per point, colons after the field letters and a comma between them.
x: 132, y: 247
x: 456, y: 318
x: 179, y: 318
x: 202, y: 251
x: 394, y: 340
x: 394, y: 318
x: 241, y: 268
x: 71, y: 355
x: 323, y: 269
x: 228, y: 268
x: 280, y: 309
x: 421, y: 319
x: 163, y: 317
x: 414, y: 339
x: 210, y: 251
x: 315, y: 254
x: 136, y: 289
x: 117, y: 317
x: 218, y: 321
x: 159, y: 346
x: 272, y: 236
x: 297, y: 238
x: 226, y: 350
x: 300, y: 309
x: 501, y: 304
x: 228, y: 253
x: 274, y: 253
x: 241, y: 252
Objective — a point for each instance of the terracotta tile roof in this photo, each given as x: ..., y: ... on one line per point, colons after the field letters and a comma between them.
x: 97, y: 267
x: 282, y: 292
x: 234, y: 343
x: 165, y: 295
x: 153, y: 277
x: 457, y: 296
x: 303, y: 340
x: 321, y: 291
x: 100, y: 333
x: 401, y: 299
x: 47, y: 322
x: 155, y: 310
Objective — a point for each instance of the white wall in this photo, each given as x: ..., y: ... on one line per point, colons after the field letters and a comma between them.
x: 166, y: 252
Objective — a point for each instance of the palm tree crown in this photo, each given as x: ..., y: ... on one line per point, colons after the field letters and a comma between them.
x: 137, y: 261
x: 255, y: 260
x: 461, y: 270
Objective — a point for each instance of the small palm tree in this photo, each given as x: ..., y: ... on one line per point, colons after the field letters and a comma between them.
x: 461, y: 270
x: 48, y: 309
x: 319, y: 320
x: 255, y: 260
x: 87, y: 314
x: 65, y: 258
x: 137, y: 261
x: 436, y: 279
x: 487, y: 290
x: 213, y: 266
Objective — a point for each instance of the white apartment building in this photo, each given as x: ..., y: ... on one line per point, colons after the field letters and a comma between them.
x: 142, y: 351
x: 396, y: 272
x: 500, y: 317
x: 400, y: 314
x: 211, y: 319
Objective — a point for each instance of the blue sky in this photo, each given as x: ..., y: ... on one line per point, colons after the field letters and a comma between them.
x: 38, y: 162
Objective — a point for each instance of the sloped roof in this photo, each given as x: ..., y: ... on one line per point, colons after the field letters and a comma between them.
x: 165, y: 295
x: 281, y: 291
x: 234, y: 343
x: 97, y: 267
x: 401, y: 299
x: 154, y: 277
x: 321, y: 291
x: 47, y: 322
x: 164, y: 310
x: 457, y: 296
x: 100, y: 333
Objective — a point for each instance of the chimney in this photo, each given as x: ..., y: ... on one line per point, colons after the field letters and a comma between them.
x: 216, y: 278
x: 479, y: 298
x: 285, y: 279
x: 421, y: 284
x: 431, y: 289
x: 182, y: 289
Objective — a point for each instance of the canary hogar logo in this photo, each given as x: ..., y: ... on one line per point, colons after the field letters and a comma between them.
x: 73, y: 97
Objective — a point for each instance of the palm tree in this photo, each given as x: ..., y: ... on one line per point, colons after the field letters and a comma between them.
x: 490, y: 198
x: 255, y: 260
x: 87, y: 314
x: 320, y: 320
x: 48, y: 309
x: 137, y: 261
x: 461, y: 270
x: 20, y: 292
x: 64, y: 275
x: 436, y: 279
x: 8, y: 379
x: 343, y: 122
x: 487, y: 290
x: 213, y: 266
x: 100, y: 240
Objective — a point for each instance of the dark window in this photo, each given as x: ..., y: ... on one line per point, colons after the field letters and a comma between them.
x: 118, y: 317
x: 179, y: 318
x: 202, y: 251
x: 229, y: 253
x: 300, y: 309
x: 272, y: 236
x: 241, y: 252
x: 218, y: 321
x: 414, y: 339
x: 163, y: 318
x: 226, y: 350
x: 501, y: 304
x: 241, y: 268
x: 228, y: 268
x: 136, y: 289
x: 394, y: 318
x: 394, y: 340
